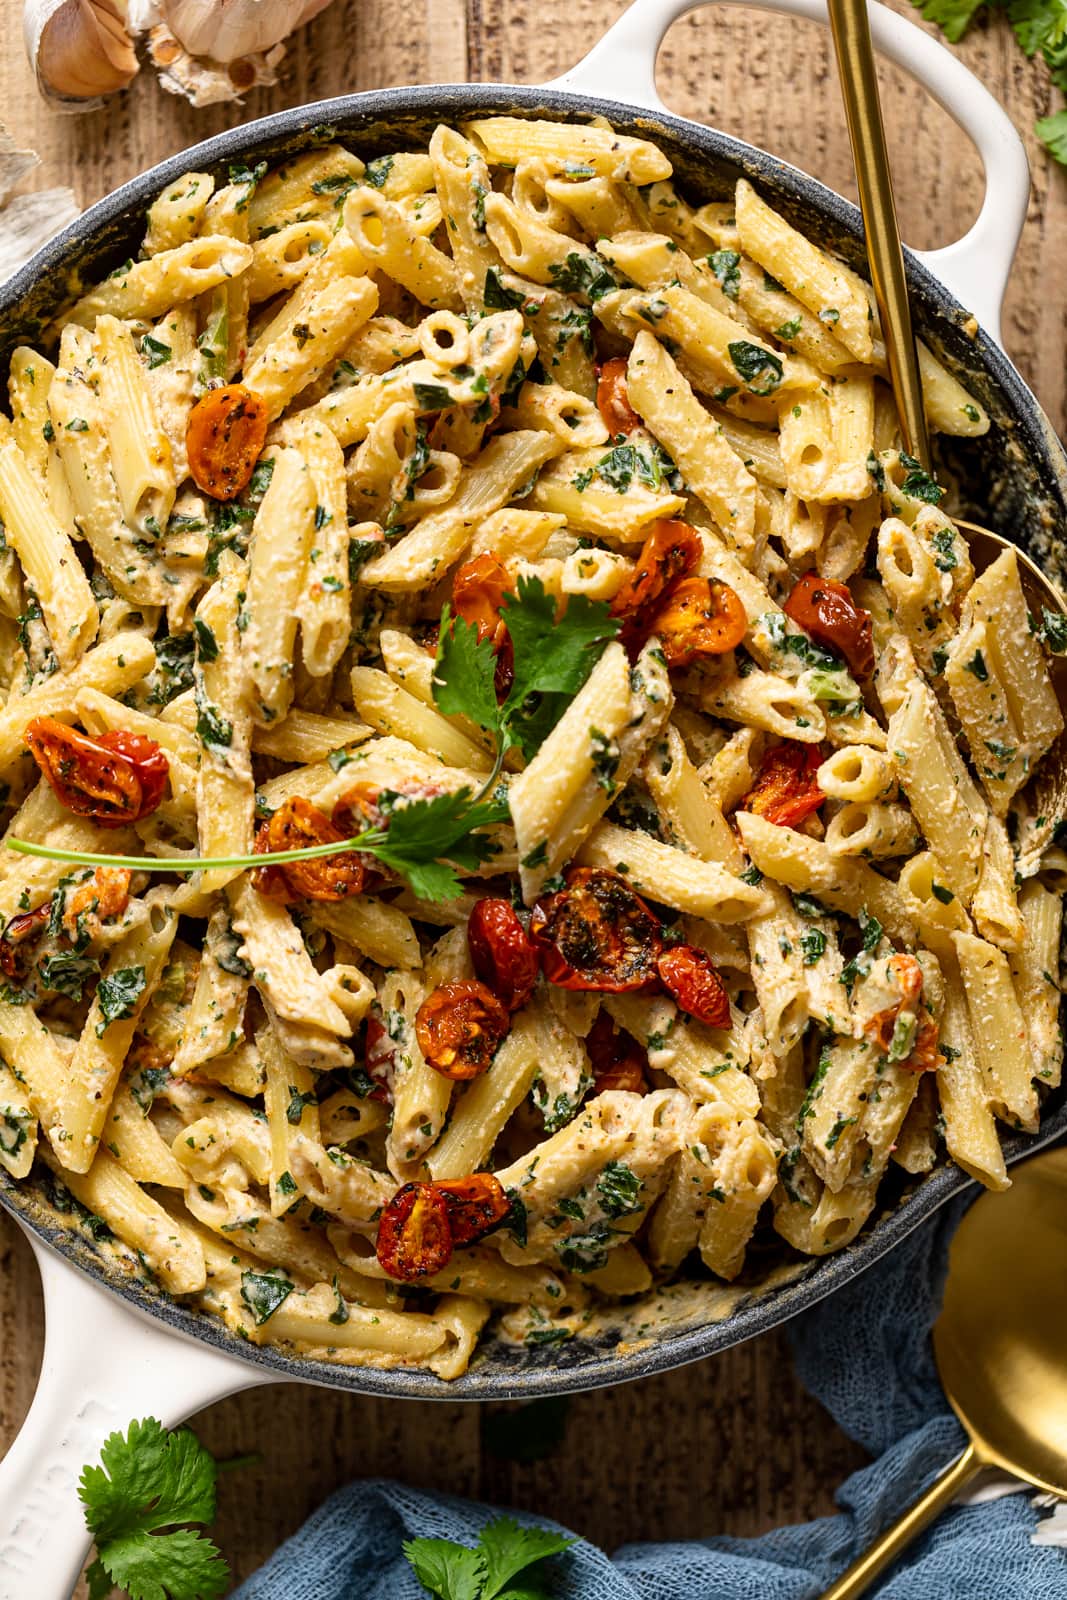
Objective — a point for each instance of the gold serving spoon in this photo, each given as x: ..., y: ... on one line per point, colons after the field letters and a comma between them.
x: 851, y: 29
x: 1000, y: 1351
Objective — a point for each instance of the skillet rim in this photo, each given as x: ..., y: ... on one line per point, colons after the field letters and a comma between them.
x: 816, y: 1277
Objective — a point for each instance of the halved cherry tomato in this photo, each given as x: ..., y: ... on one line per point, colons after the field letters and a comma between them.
x: 613, y: 399
x: 617, y: 1060
x: 357, y: 810
x: 224, y: 437
x: 669, y: 554
x: 504, y: 956
x: 694, y: 985
x: 379, y: 1060
x: 115, y: 777
x: 415, y: 1233
x: 475, y: 1205
x: 296, y: 825
x: 702, y: 617
x: 826, y: 610
x: 926, y: 1052
x: 785, y: 790
x: 596, y: 933
x: 478, y: 590
x: 459, y: 1026
x: 20, y: 932
x: 907, y: 974
x: 103, y: 896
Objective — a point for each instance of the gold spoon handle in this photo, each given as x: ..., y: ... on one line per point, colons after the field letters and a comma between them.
x: 885, y: 1550
x: 851, y: 29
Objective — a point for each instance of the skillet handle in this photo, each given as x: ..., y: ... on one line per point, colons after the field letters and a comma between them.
x: 976, y: 268
x: 104, y: 1365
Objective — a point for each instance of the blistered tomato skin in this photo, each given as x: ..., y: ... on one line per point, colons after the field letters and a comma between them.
x: 22, y: 930
x: 701, y: 617
x: 671, y: 551
x: 597, y: 934
x: 786, y: 791
x: 115, y: 778
x: 224, y: 438
x: 458, y: 1027
x: 414, y: 1233
x: 826, y: 610
x: 691, y: 980
x: 617, y: 1060
x: 476, y: 1205
x: 613, y: 399
x: 503, y: 954
x: 478, y: 590
x: 298, y: 825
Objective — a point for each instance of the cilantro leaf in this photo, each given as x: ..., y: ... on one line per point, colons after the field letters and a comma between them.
x: 552, y: 658
x: 1053, y: 131
x: 464, y: 674
x: 427, y: 839
x: 449, y: 1571
x: 148, y: 1480
x: 509, y: 1549
x: 953, y: 17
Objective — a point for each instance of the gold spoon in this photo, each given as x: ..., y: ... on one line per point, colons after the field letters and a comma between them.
x: 1000, y: 1351
x: 851, y: 29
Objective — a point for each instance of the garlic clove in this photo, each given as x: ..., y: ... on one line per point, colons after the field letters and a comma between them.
x: 204, y: 82
x: 228, y: 30
x: 79, y: 49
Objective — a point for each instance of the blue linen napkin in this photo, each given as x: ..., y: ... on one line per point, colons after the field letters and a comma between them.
x: 865, y: 1353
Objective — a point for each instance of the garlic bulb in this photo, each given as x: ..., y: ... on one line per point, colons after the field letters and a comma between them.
x: 206, y: 50
x: 79, y: 49
x: 225, y: 30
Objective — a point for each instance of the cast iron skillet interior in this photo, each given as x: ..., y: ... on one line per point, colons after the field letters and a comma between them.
x: 1014, y: 479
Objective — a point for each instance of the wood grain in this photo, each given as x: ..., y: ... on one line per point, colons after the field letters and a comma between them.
x: 732, y: 1444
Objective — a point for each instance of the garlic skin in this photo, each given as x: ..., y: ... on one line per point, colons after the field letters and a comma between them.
x: 79, y: 50
x: 225, y: 30
x: 204, y: 82
x: 27, y: 221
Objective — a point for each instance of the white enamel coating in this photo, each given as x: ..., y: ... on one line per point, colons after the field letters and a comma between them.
x: 104, y: 1364
x: 976, y: 268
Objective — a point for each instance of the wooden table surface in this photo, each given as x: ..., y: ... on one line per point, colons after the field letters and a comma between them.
x: 732, y: 1444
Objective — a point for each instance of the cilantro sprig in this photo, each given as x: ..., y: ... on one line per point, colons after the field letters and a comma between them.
x: 151, y: 1479
x: 428, y: 842
x: 452, y: 1571
x: 552, y: 659
x: 1040, y: 27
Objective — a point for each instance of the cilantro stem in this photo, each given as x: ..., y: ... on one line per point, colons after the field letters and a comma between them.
x: 369, y: 839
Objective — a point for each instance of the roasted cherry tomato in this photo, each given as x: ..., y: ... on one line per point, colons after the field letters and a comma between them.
x: 224, y: 437
x: 617, y: 1060
x: 296, y: 825
x: 669, y: 554
x: 785, y: 790
x: 827, y: 611
x: 478, y: 590
x: 907, y: 977
x: 475, y: 1205
x: 379, y: 1060
x: 613, y: 399
x: 115, y: 777
x: 504, y: 956
x: 701, y: 617
x: 596, y: 933
x: 459, y: 1026
x: 103, y: 896
x: 926, y: 1052
x: 415, y: 1233
x: 21, y: 932
x: 694, y: 985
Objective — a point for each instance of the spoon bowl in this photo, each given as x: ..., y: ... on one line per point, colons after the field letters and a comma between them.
x: 1000, y: 1339
x: 999, y: 1343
